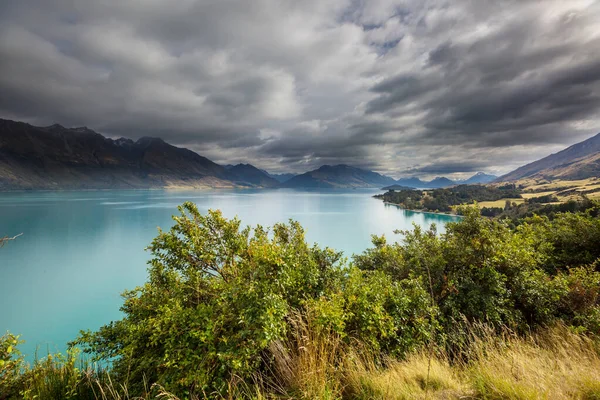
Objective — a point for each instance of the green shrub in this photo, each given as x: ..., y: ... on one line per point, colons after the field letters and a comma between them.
x: 393, y: 317
x: 217, y: 296
x: 11, y: 364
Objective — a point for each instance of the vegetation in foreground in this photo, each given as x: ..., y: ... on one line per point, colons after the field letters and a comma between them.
x: 485, y: 310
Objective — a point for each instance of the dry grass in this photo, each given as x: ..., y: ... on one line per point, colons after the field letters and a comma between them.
x: 556, y: 364
x: 499, y: 203
x: 413, y: 378
x: 553, y: 364
x: 306, y: 365
x: 545, y: 185
x: 595, y: 195
x: 537, y: 194
x: 313, y: 363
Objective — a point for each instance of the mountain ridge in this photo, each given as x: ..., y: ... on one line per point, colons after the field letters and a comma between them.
x: 338, y: 176
x: 442, y: 182
x: 56, y: 157
x: 578, y: 161
x: 255, y: 176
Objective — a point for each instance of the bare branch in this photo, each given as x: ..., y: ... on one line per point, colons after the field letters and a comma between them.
x: 5, y: 239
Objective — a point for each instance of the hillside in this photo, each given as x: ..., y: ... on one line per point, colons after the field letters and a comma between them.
x: 252, y: 175
x: 338, y: 176
x: 440, y: 182
x: 579, y: 161
x: 56, y: 157
x: 282, y: 177
x: 479, y: 178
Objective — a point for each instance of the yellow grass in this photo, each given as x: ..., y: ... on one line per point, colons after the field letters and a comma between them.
x: 412, y: 378
x: 557, y: 184
x: 540, y: 194
x: 555, y: 363
x: 499, y: 203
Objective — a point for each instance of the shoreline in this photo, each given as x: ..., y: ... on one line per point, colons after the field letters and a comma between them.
x: 421, y: 211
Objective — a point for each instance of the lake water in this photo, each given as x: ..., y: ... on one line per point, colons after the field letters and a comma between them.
x: 80, y: 250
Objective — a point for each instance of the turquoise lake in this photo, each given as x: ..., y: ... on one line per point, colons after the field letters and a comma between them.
x: 80, y: 250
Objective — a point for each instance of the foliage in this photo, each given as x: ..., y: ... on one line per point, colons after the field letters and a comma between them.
x: 231, y: 309
x: 484, y: 270
x: 219, y: 295
x: 518, y: 212
x: 549, y: 198
x: 444, y: 199
x: 574, y: 239
x: 11, y: 362
x: 386, y: 315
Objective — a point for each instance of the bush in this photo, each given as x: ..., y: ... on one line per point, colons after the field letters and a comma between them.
x: 219, y: 295
x: 11, y: 364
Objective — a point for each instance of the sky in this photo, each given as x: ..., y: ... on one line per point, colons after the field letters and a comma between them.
x: 405, y: 88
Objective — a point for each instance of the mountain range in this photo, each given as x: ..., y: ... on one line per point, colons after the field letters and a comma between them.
x: 441, y: 182
x: 56, y: 157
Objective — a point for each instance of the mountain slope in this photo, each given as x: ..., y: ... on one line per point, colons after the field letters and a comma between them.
x: 568, y: 163
x: 282, y: 177
x: 56, y: 157
x: 411, y: 182
x: 478, y: 178
x: 338, y: 176
x: 580, y: 168
x: 250, y: 174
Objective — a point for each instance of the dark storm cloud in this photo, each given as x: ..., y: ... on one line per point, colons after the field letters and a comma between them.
x: 443, y: 87
x: 523, y: 83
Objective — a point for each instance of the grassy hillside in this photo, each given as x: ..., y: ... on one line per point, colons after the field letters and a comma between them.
x: 580, y: 161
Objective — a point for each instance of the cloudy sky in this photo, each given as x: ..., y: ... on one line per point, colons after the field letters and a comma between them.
x: 410, y: 87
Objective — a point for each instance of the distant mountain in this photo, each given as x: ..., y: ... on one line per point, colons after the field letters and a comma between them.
x: 338, y: 176
x: 579, y: 161
x: 416, y: 183
x: 478, y: 178
x: 250, y: 174
x: 440, y: 182
x: 397, y: 187
x: 56, y: 157
x: 411, y: 182
x: 281, y: 178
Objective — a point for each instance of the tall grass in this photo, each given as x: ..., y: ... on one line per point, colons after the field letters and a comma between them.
x: 307, y: 364
x: 313, y: 363
x: 552, y: 364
